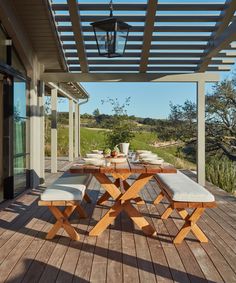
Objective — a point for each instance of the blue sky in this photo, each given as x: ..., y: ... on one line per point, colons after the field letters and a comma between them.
x: 147, y: 99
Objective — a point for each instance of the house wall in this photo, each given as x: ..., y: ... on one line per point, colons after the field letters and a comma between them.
x: 1, y: 138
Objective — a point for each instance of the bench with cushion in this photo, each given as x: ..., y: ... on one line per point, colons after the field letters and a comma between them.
x: 182, y: 193
x: 67, y: 191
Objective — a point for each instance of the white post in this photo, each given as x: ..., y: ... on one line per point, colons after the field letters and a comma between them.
x: 34, y: 127
x: 54, y: 131
x: 71, y: 150
x: 201, y: 133
x: 76, y: 131
x: 42, y: 134
x: 79, y: 134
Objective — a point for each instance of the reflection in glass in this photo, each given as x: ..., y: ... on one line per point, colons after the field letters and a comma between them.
x: 19, y: 136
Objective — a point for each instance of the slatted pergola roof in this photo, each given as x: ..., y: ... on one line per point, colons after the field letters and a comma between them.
x: 166, y: 37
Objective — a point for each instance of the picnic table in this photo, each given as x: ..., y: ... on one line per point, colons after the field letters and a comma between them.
x: 121, y: 191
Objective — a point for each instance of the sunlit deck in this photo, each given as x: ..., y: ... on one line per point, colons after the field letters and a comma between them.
x: 122, y: 253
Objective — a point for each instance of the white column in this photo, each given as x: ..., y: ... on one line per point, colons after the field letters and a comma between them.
x: 71, y: 130
x: 42, y: 132
x: 201, y: 133
x: 34, y: 128
x: 76, y: 131
x: 79, y: 134
x: 54, y: 131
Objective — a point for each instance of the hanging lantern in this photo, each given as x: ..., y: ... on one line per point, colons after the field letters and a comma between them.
x: 111, y: 35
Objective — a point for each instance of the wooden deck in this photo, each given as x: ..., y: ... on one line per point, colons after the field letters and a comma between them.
x: 122, y: 253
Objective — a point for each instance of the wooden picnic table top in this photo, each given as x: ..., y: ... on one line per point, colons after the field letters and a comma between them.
x: 125, y: 167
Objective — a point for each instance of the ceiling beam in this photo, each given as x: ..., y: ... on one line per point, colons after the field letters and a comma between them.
x: 141, y: 18
x: 94, y: 6
x: 154, y: 38
x: 227, y: 16
x: 223, y: 40
x: 77, y: 30
x: 127, y: 77
x: 169, y: 61
x: 148, y: 31
x: 173, y: 28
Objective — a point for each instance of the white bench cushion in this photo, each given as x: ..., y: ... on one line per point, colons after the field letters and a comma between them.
x: 182, y: 188
x: 66, y: 188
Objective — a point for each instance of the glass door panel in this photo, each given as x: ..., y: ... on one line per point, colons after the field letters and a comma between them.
x: 19, y: 136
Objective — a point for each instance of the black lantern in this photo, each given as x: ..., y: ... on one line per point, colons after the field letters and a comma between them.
x: 111, y: 35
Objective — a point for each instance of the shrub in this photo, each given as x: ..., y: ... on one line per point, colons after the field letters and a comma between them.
x: 222, y: 173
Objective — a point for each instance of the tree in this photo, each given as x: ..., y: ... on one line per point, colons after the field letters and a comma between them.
x: 221, y: 118
x: 96, y: 112
x: 183, y: 118
x: 121, y: 126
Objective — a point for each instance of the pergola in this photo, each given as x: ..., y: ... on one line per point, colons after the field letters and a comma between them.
x: 180, y: 41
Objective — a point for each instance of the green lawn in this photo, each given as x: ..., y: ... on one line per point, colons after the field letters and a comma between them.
x: 95, y: 139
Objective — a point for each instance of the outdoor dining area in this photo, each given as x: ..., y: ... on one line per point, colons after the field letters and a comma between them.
x: 70, y: 190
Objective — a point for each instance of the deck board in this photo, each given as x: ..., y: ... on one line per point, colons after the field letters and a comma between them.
x: 122, y: 253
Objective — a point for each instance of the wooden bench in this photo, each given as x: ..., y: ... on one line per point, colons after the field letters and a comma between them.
x: 67, y: 191
x: 183, y: 193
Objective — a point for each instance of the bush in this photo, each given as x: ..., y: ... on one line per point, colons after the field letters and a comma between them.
x: 222, y: 173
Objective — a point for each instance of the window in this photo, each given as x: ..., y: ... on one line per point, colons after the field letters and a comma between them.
x: 20, y: 153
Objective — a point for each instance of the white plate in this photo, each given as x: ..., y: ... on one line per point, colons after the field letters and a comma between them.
x: 117, y: 160
x: 153, y: 161
x: 97, y: 151
x: 94, y: 161
x: 139, y: 151
x: 94, y: 155
x: 148, y: 156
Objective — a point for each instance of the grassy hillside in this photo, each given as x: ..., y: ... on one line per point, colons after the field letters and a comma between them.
x: 96, y: 139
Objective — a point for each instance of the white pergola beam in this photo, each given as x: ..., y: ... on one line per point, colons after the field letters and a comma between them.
x: 71, y: 130
x: 42, y: 131
x: 223, y: 41
x: 201, y: 175
x: 78, y: 35
x: 76, y: 130
x: 60, y: 90
x: 129, y: 77
x: 54, y: 130
x: 227, y: 16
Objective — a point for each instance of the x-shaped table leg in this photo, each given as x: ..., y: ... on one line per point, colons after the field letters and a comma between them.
x: 190, y: 225
x: 120, y: 180
x: 105, y: 197
x: 123, y: 202
x: 62, y: 221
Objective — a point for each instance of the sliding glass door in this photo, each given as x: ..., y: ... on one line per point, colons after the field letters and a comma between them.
x: 1, y: 138
x: 20, y: 154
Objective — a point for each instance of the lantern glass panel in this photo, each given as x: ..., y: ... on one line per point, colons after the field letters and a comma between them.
x: 121, y: 37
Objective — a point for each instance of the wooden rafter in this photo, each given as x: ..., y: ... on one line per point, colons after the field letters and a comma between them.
x: 223, y: 40
x: 227, y: 16
x: 147, y: 38
x: 78, y: 35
